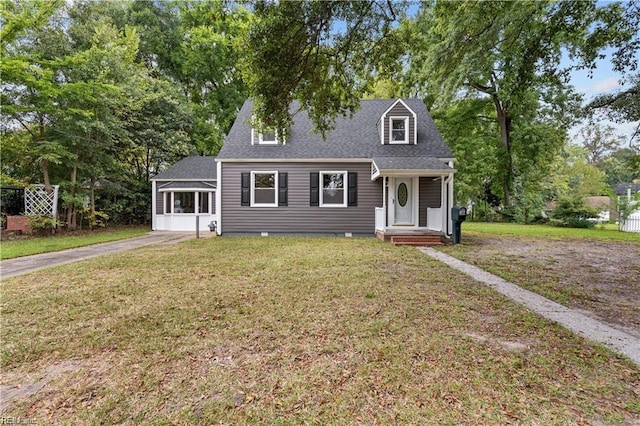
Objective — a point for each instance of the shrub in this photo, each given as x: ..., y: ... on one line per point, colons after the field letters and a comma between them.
x: 43, y: 225
x: 572, y: 212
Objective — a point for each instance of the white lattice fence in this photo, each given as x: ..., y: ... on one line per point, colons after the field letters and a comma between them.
x: 38, y: 202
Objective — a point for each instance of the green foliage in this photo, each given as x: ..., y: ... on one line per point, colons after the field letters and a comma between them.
x: 627, y: 206
x: 572, y: 212
x: 622, y: 166
x: 324, y: 54
x: 572, y: 174
x: 509, y: 54
x: 100, y: 96
x: 43, y: 225
x: 95, y: 218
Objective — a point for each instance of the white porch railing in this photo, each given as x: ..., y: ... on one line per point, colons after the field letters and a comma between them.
x: 434, y: 218
x: 380, y: 219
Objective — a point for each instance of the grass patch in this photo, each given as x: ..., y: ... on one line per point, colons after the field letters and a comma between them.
x: 293, y: 331
x: 605, y: 232
x: 37, y: 245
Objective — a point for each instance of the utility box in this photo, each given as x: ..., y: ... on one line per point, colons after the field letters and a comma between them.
x: 458, y: 215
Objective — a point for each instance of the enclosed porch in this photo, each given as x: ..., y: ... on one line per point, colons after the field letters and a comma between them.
x: 417, y: 200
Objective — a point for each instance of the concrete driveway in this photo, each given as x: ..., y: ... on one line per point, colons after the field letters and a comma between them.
x: 27, y: 264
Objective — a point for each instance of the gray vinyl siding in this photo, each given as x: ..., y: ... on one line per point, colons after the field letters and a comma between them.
x: 430, y: 196
x: 399, y: 111
x: 298, y: 216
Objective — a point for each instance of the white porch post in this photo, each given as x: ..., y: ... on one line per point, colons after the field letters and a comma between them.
x: 384, y: 199
x: 444, y: 204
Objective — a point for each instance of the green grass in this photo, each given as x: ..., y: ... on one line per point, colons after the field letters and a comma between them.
x: 293, y: 331
x: 606, y: 232
x: 37, y: 245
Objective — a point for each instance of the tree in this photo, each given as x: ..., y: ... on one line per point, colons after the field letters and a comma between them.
x: 621, y: 106
x: 509, y: 52
x: 324, y: 54
x: 622, y: 166
x: 196, y: 45
x: 599, y: 141
x: 574, y: 176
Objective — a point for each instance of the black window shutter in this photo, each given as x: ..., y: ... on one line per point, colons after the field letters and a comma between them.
x: 245, y: 194
x: 314, y: 193
x: 282, y: 189
x: 352, y: 196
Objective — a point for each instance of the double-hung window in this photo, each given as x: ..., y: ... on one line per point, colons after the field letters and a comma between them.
x: 264, y: 189
x: 333, y: 192
x: 399, y: 127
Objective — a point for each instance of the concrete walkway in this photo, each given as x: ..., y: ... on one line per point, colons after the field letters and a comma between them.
x: 614, y: 339
x: 27, y: 264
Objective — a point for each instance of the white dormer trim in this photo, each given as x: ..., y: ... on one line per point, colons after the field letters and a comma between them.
x: 382, y: 121
x: 256, y: 139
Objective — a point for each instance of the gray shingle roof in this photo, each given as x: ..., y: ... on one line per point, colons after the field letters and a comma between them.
x: 190, y: 168
x: 355, y: 137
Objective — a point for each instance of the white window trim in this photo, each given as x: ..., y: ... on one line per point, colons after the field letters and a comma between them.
x: 406, y: 130
x: 345, y: 189
x: 253, y: 187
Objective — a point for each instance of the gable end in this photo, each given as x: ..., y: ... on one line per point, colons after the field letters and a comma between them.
x: 397, y: 125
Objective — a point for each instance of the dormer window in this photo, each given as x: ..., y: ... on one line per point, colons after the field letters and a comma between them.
x: 268, y: 138
x: 398, y: 125
x: 399, y: 128
x: 265, y: 137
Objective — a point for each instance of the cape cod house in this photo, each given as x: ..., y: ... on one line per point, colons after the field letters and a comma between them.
x: 385, y: 171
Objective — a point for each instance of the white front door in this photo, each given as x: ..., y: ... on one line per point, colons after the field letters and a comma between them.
x: 403, y: 202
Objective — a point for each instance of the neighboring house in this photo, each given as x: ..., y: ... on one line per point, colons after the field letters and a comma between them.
x: 604, y: 206
x: 626, y: 188
x: 385, y: 171
x: 183, y: 192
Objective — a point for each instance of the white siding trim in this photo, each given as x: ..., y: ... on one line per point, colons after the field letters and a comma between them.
x: 219, y: 198
x: 154, y: 206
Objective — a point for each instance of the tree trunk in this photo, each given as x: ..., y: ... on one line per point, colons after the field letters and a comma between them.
x: 71, y: 209
x: 504, y: 121
x: 92, y: 204
x: 44, y: 167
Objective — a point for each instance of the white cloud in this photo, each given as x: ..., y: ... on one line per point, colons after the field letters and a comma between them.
x: 602, y: 86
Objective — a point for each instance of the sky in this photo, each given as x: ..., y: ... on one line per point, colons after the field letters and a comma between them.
x: 604, y: 80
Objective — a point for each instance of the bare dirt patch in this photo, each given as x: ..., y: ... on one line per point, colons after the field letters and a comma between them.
x: 598, y: 277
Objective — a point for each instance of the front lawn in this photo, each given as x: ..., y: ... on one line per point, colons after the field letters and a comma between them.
x: 605, y: 232
x: 292, y: 331
x: 36, y: 245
